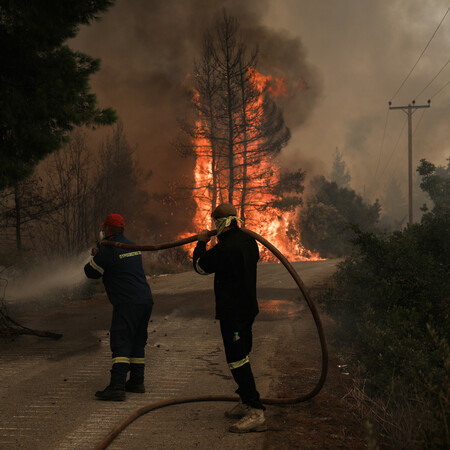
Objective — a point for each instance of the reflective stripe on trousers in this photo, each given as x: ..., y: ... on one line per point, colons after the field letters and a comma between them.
x: 237, y: 364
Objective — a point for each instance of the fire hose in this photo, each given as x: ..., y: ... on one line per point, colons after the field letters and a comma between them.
x: 225, y: 398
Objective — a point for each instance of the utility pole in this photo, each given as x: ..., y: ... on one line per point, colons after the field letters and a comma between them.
x: 410, y: 110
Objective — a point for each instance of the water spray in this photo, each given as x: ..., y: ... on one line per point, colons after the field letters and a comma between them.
x: 37, y: 284
x: 225, y: 398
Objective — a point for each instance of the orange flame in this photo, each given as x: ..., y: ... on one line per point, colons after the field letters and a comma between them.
x: 277, y: 226
x: 275, y: 85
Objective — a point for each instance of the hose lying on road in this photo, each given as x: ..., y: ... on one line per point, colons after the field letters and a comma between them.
x: 224, y: 398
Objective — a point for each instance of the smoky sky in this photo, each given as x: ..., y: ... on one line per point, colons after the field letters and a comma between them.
x: 363, y: 51
x: 343, y: 61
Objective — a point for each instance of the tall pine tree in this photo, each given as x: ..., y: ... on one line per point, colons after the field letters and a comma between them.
x: 340, y: 174
x: 44, y: 85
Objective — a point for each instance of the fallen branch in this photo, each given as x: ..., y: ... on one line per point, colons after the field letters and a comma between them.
x: 9, y: 327
x: 18, y: 331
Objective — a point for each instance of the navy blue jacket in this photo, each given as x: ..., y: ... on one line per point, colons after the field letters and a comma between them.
x: 233, y: 260
x: 122, y: 272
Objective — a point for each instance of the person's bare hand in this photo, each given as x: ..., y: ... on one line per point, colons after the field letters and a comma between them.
x: 94, y: 250
x: 204, y: 236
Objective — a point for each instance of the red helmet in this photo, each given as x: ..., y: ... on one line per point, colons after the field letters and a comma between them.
x: 114, y: 220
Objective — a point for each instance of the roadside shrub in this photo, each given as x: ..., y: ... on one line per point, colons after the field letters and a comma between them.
x: 326, y: 216
x: 391, y: 302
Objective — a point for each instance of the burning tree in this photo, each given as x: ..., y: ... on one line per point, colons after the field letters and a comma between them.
x: 239, y: 126
x: 238, y: 133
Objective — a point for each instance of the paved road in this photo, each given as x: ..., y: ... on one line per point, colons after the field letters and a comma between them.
x: 46, y: 394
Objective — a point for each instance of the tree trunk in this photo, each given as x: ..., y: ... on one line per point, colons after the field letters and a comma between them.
x: 214, y: 156
x: 245, y: 143
x: 17, y: 211
x: 230, y: 124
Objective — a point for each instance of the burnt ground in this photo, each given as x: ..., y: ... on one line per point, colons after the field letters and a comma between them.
x: 46, y: 396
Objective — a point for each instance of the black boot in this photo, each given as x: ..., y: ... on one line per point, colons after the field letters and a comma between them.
x: 113, y: 392
x: 135, y: 386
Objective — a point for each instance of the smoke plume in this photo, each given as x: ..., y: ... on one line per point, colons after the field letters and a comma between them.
x: 364, y: 50
x: 148, y: 49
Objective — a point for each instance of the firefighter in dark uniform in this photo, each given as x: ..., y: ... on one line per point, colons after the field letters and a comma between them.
x: 234, y: 260
x: 131, y: 297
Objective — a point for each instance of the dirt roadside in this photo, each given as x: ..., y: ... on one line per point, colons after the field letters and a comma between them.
x: 325, y: 422
x: 46, y: 398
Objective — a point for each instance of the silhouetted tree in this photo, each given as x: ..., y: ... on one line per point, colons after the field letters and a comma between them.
x: 22, y: 204
x: 394, y: 206
x: 118, y: 179
x: 44, y: 85
x: 288, y: 190
x: 87, y: 186
x: 340, y: 173
x: 327, y: 215
x: 72, y: 185
x: 436, y: 183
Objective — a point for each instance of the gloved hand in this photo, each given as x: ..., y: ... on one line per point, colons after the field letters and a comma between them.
x: 204, y: 236
x: 94, y: 249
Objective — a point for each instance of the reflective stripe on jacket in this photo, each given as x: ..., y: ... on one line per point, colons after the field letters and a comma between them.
x: 122, y: 272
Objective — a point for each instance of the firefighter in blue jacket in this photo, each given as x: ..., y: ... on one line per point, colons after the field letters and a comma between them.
x: 233, y: 261
x: 131, y: 297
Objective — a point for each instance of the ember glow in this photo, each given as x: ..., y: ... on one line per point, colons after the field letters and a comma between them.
x: 278, y: 227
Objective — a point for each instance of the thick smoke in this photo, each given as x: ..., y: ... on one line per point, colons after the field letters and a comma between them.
x: 364, y: 50
x: 148, y: 49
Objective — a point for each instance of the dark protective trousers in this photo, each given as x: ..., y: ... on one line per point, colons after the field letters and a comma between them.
x: 128, y: 337
x: 237, y: 340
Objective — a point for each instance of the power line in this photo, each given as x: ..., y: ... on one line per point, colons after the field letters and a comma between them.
x: 442, y: 68
x: 393, y: 150
x: 382, y: 143
x: 441, y: 89
x: 399, y: 159
x: 397, y: 162
x: 409, y: 111
x: 423, y: 51
x: 418, y: 122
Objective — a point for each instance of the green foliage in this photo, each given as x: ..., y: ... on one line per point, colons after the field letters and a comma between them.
x: 392, y: 302
x: 436, y: 183
x: 387, y: 293
x: 326, y: 217
x: 44, y: 88
x: 437, y: 388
